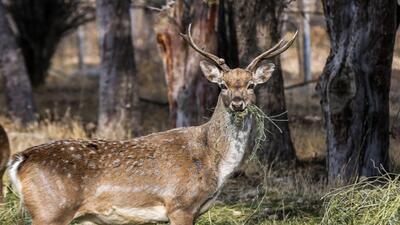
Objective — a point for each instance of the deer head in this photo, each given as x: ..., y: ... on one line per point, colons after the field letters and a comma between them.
x: 237, y: 85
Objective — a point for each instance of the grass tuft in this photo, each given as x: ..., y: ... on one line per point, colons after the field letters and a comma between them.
x: 11, y: 212
x: 369, y: 202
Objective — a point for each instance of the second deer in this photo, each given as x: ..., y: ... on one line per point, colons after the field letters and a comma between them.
x: 4, y: 156
x: 172, y: 176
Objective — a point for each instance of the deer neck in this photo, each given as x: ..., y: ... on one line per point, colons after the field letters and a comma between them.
x: 229, y: 140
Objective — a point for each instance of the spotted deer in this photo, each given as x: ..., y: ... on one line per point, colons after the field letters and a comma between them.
x: 4, y: 156
x: 172, y: 176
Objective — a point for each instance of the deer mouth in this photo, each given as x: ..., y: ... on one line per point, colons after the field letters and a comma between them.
x: 238, y: 109
x: 238, y: 106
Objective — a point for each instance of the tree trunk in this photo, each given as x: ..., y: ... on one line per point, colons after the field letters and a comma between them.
x: 354, y: 86
x: 152, y: 86
x: 118, y: 100
x: 41, y: 26
x: 256, y: 25
x: 304, y: 40
x: 191, y: 97
x: 81, y: 47
x: 18, y: 90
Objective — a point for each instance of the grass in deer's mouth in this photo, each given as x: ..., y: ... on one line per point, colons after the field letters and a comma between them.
x: 260, y: 118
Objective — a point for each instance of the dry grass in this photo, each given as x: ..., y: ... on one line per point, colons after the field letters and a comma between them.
x: 309, y: 142
x: 22, y: 138
x: 373, y: 202
x: 11, y: 212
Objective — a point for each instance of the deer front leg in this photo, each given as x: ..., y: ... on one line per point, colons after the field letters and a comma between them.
x: 180, y: 217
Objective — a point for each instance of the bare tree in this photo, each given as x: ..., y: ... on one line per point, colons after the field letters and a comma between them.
x: 152, y: 85
x: 354, y: 86
x: 190, y: 97
x: 119, y: 101
x: 41, y: 25
x: 304, y: 44
x: 18, y: 90
x: 257, y: 28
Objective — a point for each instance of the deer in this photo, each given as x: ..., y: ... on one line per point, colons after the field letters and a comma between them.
x: 4, y: 156
x: 172, y: 176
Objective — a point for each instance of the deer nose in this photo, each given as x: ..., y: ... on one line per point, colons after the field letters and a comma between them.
x: 237, y: 104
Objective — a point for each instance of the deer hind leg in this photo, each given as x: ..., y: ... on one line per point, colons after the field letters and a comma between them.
x: 181, y: 218
x: 1, y: 185
x: 43, y: 217
x: 47, y: 198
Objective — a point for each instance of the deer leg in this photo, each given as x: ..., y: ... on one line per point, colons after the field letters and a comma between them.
x: 48, y: 217
x: 41, y: 220
x: 1, y: 185
x: 51, y: 219
x: 181, y: 218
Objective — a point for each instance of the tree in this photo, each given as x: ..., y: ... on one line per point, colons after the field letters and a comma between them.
x: 18, y: 90
x: 41, y: 25
x: 354, y: 86
x: 190, y: 96
x: 119, y: 100
x: 304, y: 42
x: 256, y: 32
x: 152, y: 85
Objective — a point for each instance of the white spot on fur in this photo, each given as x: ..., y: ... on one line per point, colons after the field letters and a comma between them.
x: 13, y: 173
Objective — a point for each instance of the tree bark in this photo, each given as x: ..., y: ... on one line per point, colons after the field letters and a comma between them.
x: 149, y: 65
x: 81, y: 47
x: 191, y: 97
x: 257, y: 29
x: 354, y: 86
x: 304, y: 41
x: 18, y: 90
x: 119, y: 112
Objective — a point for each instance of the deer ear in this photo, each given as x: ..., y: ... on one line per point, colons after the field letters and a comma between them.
x: 263, y: 73
x: 211, y: 71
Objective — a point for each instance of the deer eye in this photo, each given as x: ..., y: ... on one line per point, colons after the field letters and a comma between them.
x: 250, y: 86
x: 223, y: 86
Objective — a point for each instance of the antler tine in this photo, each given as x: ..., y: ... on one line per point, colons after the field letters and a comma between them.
x: 272, y: 52
x: 219, y: 61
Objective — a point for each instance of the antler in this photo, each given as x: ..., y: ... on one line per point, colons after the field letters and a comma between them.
x: 274, y: 51
x: 219, y: 61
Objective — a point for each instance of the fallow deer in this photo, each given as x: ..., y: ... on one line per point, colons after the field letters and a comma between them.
x: 4, y: 156
x: 170, y: 176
